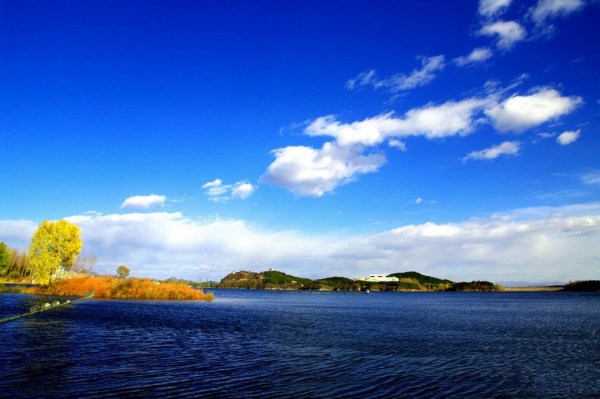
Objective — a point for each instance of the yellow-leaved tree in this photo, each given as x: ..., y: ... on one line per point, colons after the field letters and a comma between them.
x: 54, y: 244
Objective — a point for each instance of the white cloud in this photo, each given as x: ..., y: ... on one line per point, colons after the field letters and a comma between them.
x: 17, y: 233
x: 546, y: 135
x: 310, y: 172
x: 518, y: 113
x: 313, y: 172
x: 400, y: 82
x: 397, y: 144
x: 508, y: 33
x: 432, y: 121
x: 491, y: 8
x: 219, y: 192
x: 568, y: 137
x: 141, y: 202
x: 538, y: 244
x: 550, y: 9
x: 242, y: 190
x: 505, y: 148
x: 476, y: 56
x: 591, y: 178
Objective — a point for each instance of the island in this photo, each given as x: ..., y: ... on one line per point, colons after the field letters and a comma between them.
x: 403, y: 281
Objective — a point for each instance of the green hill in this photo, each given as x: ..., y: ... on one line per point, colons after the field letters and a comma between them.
x: 418, y: 281
x: 270, y: 279
x: 408, y: 281
x: 475, y: 286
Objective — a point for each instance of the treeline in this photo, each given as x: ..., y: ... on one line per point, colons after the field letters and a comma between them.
x: 14, y: 263
x: 53, y: 252
x: 589, y: 285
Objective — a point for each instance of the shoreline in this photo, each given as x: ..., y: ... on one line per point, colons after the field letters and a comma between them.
x: 534, y: 289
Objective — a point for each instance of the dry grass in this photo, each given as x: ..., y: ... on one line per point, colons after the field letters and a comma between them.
x: 533, y: 289
x: 135, y: 288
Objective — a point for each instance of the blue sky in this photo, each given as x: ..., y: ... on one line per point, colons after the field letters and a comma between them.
x: 191, y: 139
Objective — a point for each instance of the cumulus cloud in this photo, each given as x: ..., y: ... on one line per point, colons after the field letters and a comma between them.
x: 568, y: 137
x: 537, y: 244
x: 313, y: 172
x: 476, y: 56
x: 219, y: 192
x: 401, y: 82
x: 141, y: 202
x: 505, y: 148
x: 518, y: 112
x: 351, y: 151
x: 242, y: 190
x: 545, y: 10
x: 507, y: 33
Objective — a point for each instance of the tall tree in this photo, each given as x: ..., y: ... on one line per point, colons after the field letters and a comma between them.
x: 5, y: 259
x: 122, y: 272
x: 54, y: 244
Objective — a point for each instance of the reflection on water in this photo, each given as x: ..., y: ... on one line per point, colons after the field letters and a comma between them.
x: 257, y: 344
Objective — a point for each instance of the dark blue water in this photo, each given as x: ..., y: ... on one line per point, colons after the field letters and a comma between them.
x: 266, y: 344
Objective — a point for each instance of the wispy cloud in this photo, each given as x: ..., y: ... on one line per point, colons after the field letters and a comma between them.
x: 591, y: 178
x: 219, y: 192
x: 476, y: 56
x: 568, y: 137
x: 507, y: 33
x: 492, y: 8
x: 545, y: 10
x: 142, y: 202
x: 505, y: 148
x: 401, y: 82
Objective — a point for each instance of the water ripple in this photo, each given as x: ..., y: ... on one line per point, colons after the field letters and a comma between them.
x: 263, y: 345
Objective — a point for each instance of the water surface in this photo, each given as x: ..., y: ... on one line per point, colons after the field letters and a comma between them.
x: 262, y: 344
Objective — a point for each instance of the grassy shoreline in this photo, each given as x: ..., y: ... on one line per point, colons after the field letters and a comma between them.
x: 114, y: 288
x: 534, y: 289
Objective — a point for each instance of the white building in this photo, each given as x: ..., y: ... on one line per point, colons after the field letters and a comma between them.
x: 378, y: 278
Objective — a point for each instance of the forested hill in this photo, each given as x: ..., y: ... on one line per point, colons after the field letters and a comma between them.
x: 408, y: 281
x: 418, y: 281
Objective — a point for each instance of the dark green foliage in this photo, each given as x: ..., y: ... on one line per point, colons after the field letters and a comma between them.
x: 421, y: 278
x: 5, y: 259
x: 122, y: 271
x: 278, y: 278
x: 588, y: 285
x: 333, y: 281
x: 474, y: 286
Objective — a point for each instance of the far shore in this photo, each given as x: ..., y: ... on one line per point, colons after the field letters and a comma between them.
x: 534, y: 288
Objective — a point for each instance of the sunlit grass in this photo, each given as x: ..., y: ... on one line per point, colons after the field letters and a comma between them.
x: 110, y: 287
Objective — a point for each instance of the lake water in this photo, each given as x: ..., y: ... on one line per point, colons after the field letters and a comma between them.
x: 271, y: 344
